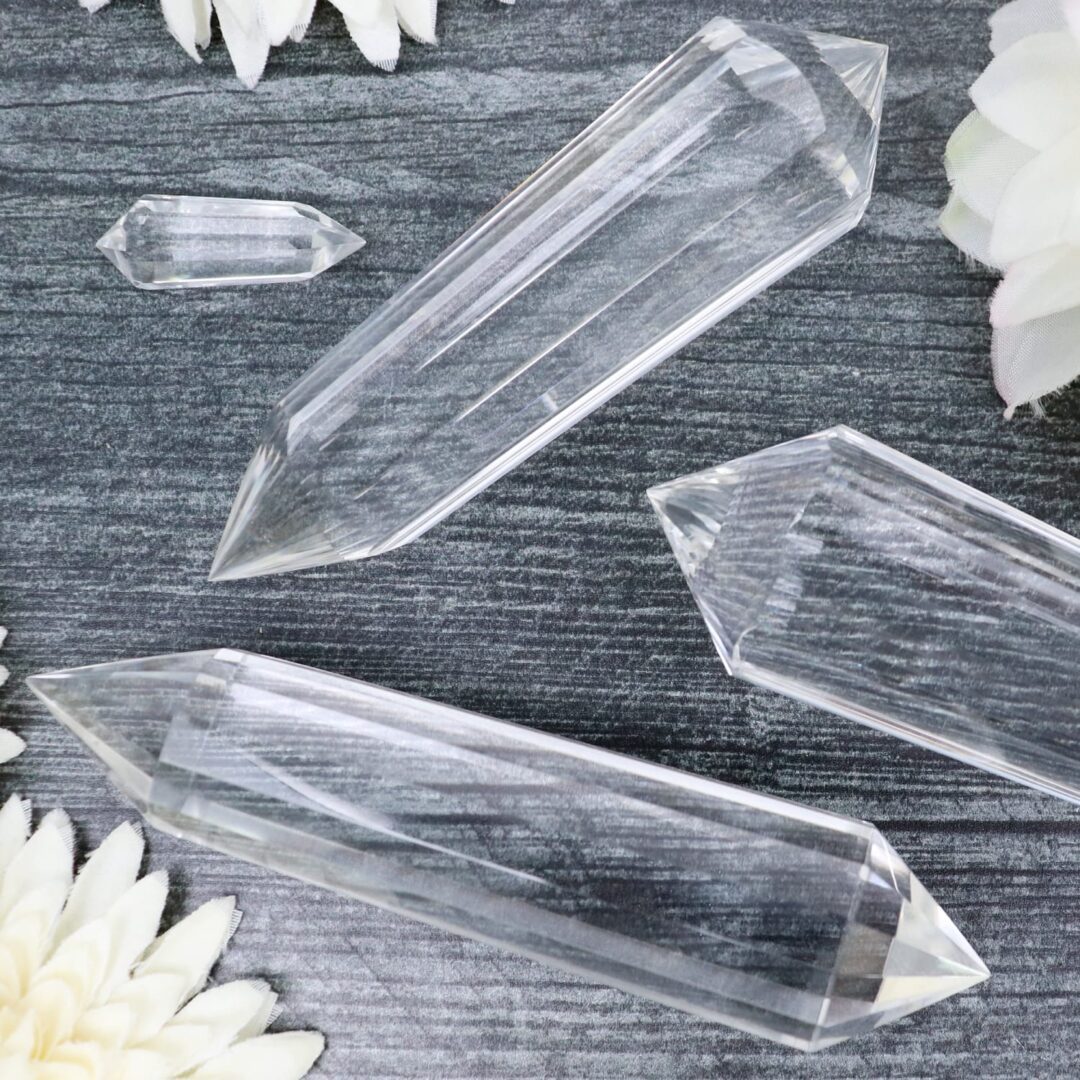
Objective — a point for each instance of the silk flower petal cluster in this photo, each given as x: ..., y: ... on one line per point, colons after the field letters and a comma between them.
x: 87, y: 990
x: 10, y: 744
x: 251, y: 27
x: 1014, y: 167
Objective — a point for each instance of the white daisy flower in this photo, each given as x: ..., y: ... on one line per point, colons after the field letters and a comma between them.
x: 87, y: 990
x: 11, y: 745
x: 251, y: 27
x: 1014, y: 166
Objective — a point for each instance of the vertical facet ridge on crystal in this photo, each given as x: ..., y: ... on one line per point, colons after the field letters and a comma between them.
x: 742, y: 155
x: 787, y: 922
x: 849, y: 576
x: 186, y: 241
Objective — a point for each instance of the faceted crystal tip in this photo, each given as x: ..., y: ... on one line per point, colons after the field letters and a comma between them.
x: 122, y: 711
x: 728, y: 528
x: 923, y: 960
x: 270, y: 530
x: 861, y: 65
x: 78, y: 698
x: 246, y: 553
x: 111, y: 245
x: 185, y: 241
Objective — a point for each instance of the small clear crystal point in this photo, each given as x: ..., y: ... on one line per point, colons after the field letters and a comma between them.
x: 745, y: 153
x: 185, y: 241
x: 849, y: 576
x: 777, y: 919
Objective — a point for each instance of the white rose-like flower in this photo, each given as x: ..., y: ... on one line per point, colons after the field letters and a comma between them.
x: 87, y: 992
x: 1014, y: 166
x: 11, y: 745
x: 251, y: 27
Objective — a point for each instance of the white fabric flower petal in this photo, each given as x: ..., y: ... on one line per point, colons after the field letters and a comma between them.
x: 307, y: 10
x: 147, y: 1004
x: 108, y: 874
x: 203, y: 11
x: 1041, y: 205
x: 981, y: 161
x: 967, y: 230
x: 245, y: 39
x: 1030, y: 91
x: 192, y: 947
x: 1040, y: 285
x: 417, y: 18
x: 1036, y: 358
x: 182, y: 19
x: 373, y: 25
x: 279, y: 18
x: 11, y: 746
x: 212, y: 1022
x: 243, y: 1009
x: 93, y: 5
x: 43, y: 864
x: 14, y: 830
x: 32, y: 894
x: 129, y: 927
x: 1022, y: 18
x: 288, y: 1056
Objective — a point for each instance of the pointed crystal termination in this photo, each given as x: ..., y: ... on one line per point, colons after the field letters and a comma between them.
x: 851, y: 577
x: 787, y: 922
x: 738, y: 158
x: 186, y: 242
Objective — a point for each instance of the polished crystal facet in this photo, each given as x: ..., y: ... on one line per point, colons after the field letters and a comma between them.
x: 743, y: 154
x: 847, y: 575
x: 184, y: 242
x: 780, y: 920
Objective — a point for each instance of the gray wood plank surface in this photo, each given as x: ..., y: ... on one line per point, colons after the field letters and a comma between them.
x: 126, y: 419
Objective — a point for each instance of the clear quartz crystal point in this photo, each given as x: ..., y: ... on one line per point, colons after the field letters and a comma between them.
x: 849, y: 576
x: 739, y: 157
x: 780, y: 920
x: 185, y: 241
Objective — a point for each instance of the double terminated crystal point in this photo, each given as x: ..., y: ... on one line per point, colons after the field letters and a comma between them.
x: 739, y: 157
x: 776, y: 919
x: 849, y: 576
x: 184, y: 241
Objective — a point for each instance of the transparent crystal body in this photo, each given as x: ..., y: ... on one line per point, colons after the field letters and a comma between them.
x: 185, y: 242
x: 774, y: 918
x: 849, y: 576
x: 739, y: 157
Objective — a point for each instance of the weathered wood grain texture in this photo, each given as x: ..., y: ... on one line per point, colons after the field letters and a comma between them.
x: 126, y: 419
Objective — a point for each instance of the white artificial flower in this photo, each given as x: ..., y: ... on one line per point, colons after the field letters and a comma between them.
x: 11, y: 745
x: 87, y: 990
x: 251, y: 27
x: 1014, y: 166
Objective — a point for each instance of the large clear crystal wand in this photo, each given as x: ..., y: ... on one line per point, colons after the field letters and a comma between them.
x: 851, y: 577
x: 777, y: 919
x: 739, y: 157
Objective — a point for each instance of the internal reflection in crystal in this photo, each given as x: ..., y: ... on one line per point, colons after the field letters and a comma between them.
x: 777, y: 919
